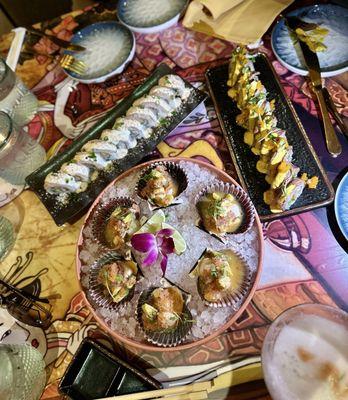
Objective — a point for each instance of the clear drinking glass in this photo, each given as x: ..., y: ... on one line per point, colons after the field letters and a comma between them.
x: 305, y: 354
x: 7, y: 236
x: 15, y: 98
x: 20, y: 155
x: 22, y: 372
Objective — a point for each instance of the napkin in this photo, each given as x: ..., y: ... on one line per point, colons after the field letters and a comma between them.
x: 240, y: 21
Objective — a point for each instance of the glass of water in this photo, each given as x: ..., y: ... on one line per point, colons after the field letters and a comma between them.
x: 15, y: 98
x: 22, y: 375
x: 20, y: 155
x: 7, y: 236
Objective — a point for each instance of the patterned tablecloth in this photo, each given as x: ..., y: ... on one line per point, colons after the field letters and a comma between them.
x: 303, y: 262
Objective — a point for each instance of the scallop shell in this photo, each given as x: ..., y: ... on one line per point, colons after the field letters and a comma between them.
x: 231, y: 299
x: 100, y: 217
x: 96, y: 292
x: 240, y: 195
x: 175, y: 171
x: 168, y: 338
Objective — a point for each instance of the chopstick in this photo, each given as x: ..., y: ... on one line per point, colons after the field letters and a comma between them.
x: 201, y: 389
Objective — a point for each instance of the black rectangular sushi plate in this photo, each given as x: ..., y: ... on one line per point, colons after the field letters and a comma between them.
x: 244, y: 160
x: 62, y: 213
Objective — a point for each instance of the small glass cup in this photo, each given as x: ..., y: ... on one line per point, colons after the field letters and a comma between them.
x: 22, y: 375
x: 20, y: 155
x: 7, y: 236
x: 305, y: 354
x: 15, y: 98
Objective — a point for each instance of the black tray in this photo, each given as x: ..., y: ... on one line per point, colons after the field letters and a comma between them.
x: 245, y: 161
x: 79, y: 202
x: 95, y: 372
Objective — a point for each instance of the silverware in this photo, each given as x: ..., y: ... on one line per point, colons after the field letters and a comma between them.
x: 59, y: 42
x: 70, y: 63
x: 333, y: 111
x: 332, y: 143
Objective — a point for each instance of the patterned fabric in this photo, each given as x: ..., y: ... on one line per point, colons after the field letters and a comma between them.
x: 303, y: 261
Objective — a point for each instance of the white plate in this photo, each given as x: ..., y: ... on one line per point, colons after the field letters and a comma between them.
x: 115, y: 66
x: 334, y: 60
x: 341, y: 205
x: 139, y: 16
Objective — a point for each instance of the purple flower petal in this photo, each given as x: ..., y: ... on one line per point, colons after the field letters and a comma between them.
x: 167, y: 246
x: 164, y: 263
x: 165, y: 232
x: 151, y: 257
x: 143, y: 242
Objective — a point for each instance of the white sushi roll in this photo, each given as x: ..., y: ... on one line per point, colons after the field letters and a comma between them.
x: 158, y: 105
x: 137, y: 129
x: 79, y: 172
x: 175, y: 82
x: 144, y: 115
x: 119, y: 135
x: 167, y: 94
x: 106, y: 149
x: 60, y: 182
x: 92, y: 160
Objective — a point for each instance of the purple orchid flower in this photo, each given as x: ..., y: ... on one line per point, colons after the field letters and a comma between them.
x: 154, y: 246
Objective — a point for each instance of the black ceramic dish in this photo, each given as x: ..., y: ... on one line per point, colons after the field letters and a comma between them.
x: 245, y: 162
x: 117, y: 377
x: 62, y: 213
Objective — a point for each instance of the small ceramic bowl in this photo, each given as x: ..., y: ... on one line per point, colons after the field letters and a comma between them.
x: 139, y: 15
x: 124, y: 51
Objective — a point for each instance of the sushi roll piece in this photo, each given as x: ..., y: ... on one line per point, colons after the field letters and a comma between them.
x: 145, y: 116
x: 106, y: 149
x: 116, y: 136
x: 92, y: 160
x: 156, y: 104
x: 137, y: 129
x: 175, y: 82
x: 167, y: 94
x: 60, y: 182
x: 287, y: 195
x: 78, y: 171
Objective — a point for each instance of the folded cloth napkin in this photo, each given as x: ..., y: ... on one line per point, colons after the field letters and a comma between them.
x: 240, y: 21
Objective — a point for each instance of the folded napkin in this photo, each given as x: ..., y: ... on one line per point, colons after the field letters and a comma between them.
x: 240, y: 21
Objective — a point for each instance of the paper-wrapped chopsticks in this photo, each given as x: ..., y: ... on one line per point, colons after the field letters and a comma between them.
x: 194, y: 391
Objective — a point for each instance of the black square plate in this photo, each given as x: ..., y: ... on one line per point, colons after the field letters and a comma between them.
x: 95, y: 372
x: 245, y: 161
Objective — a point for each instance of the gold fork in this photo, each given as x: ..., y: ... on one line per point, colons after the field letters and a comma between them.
x: 70, y: 63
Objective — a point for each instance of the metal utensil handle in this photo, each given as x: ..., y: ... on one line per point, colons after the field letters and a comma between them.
x: 333, y: 110
x: 333, y: 145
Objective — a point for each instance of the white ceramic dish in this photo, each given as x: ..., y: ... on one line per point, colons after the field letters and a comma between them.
x: 144, y: 23
x: 334, y: 60
x: 341, y: 205
x: 115, y: 66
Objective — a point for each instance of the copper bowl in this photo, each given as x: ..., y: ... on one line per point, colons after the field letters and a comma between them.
x: 146, y: 346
